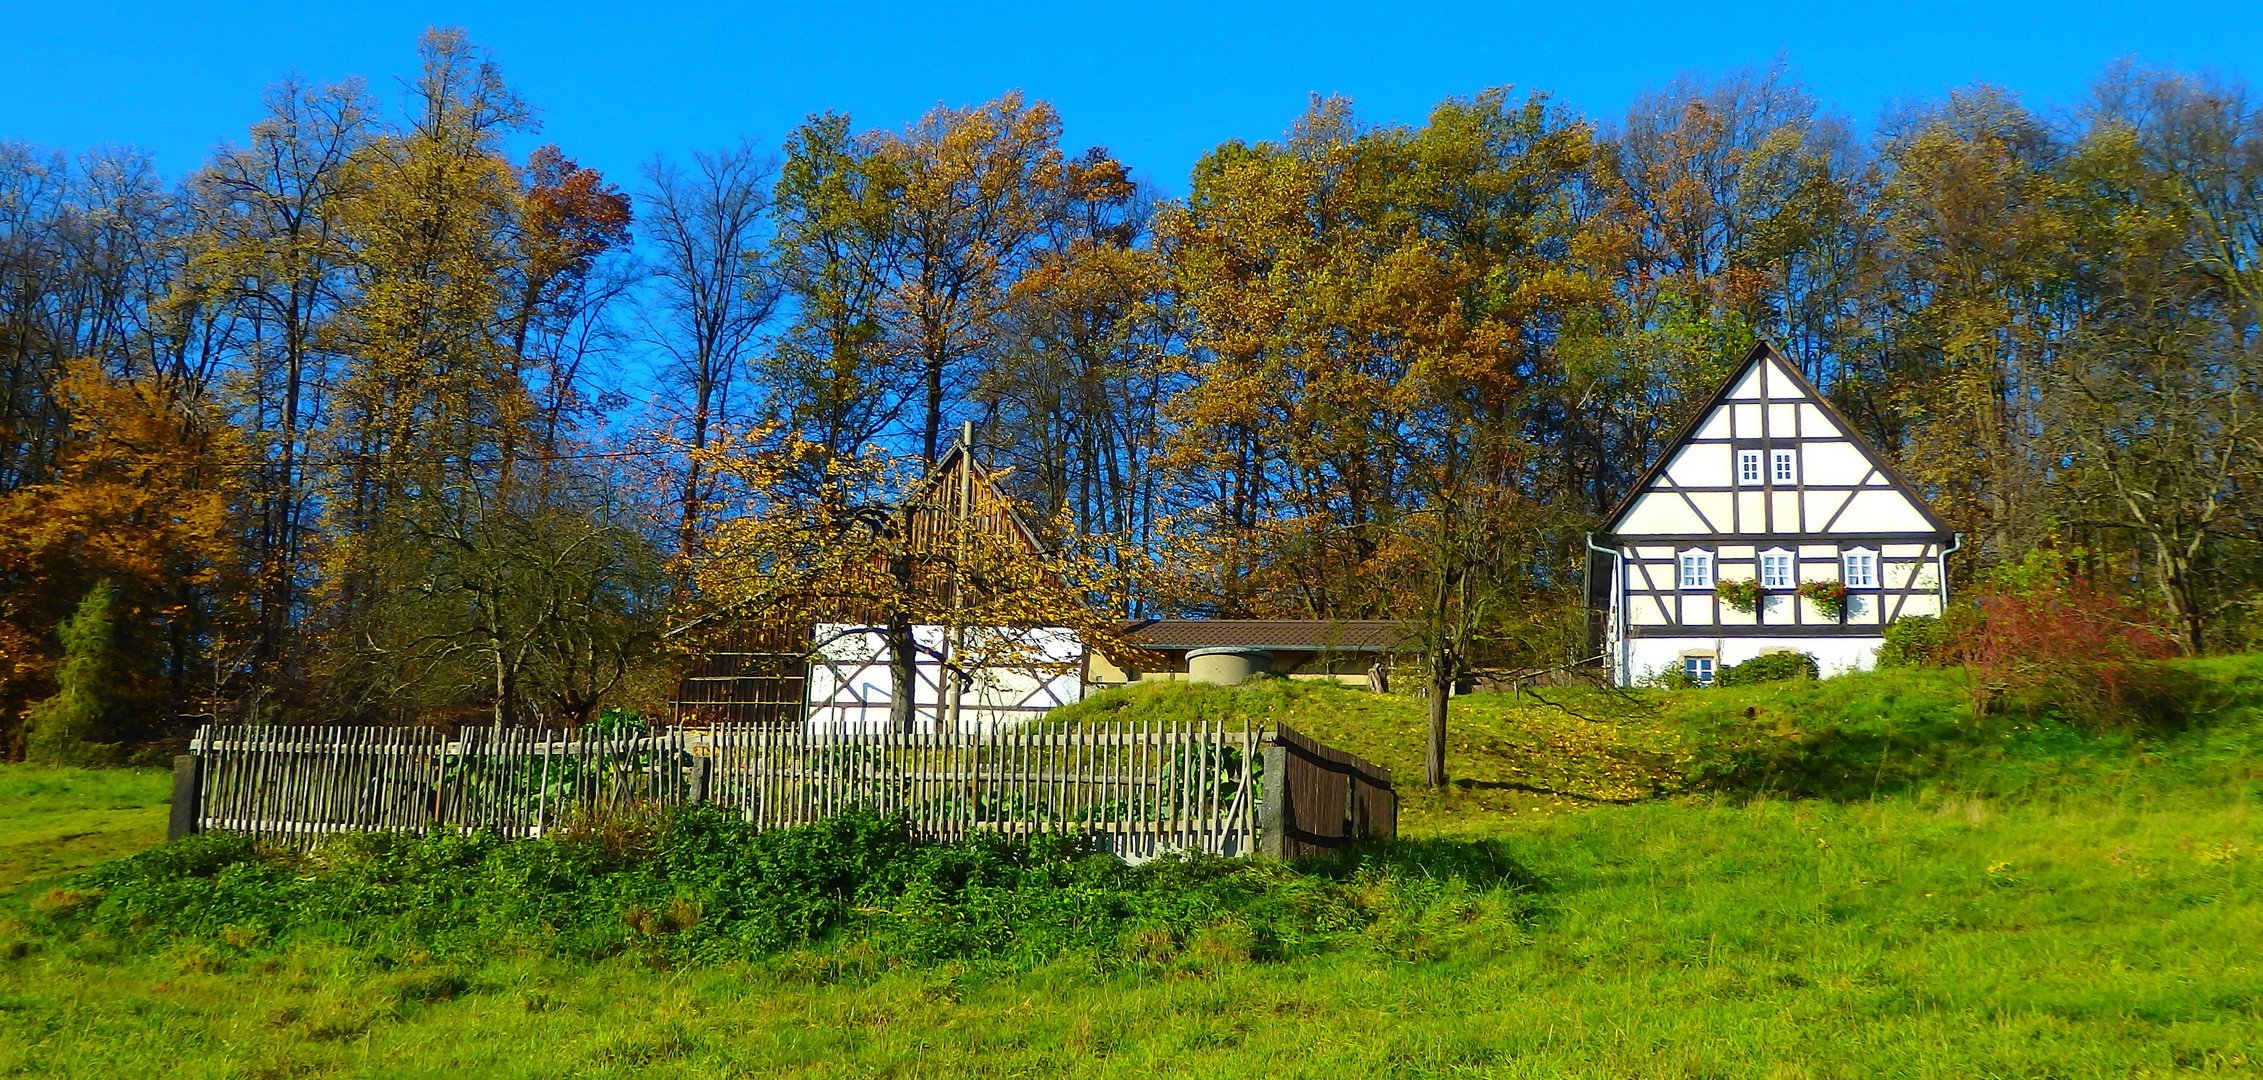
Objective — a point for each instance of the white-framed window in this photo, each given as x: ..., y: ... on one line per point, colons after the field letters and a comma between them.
x: 1859, y: 569
x: 1776, y: 570
x: 1699, y: 668
x: 1784, y: 466
x: 1697, y: 569
x: 1748, y: 466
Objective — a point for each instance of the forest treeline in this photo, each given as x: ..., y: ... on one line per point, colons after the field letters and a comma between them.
x: 369, y: 417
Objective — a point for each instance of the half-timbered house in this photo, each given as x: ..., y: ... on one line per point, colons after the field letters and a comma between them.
x: 833, y: 673
x: 1768, y: 484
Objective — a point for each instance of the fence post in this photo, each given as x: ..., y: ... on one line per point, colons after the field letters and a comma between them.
x: 702, y: 778
x: 188, y: 795
x: 1273, y: 812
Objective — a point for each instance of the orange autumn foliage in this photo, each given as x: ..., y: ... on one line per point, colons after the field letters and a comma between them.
x: 144, y: 494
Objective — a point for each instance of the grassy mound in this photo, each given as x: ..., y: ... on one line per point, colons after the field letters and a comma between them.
x: 1854, y: 737
x: 704, y: 887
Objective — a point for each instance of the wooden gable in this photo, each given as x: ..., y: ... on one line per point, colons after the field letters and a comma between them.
x: 960, y: 487
x: 1769, y: 455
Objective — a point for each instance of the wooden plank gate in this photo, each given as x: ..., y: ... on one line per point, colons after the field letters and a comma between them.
x: 1321, y: 799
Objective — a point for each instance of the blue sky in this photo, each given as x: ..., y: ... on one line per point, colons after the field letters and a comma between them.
x: 1157, y: 83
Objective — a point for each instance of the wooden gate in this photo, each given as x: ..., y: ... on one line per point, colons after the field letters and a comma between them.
x: 1321, y: 799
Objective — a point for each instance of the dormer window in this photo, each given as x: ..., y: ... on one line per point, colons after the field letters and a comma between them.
x: 1859, y: 569
x: 1748, y: 467
x: 1697, y: 569
x: 1784, y: 466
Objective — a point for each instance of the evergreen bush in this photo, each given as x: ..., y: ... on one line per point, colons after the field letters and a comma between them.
x: 67, y: 729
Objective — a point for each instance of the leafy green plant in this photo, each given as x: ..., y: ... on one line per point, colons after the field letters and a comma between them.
x: 1915, y: 641
x: 707, y: 886
x: 1770, y: 667
x: 613, y: 722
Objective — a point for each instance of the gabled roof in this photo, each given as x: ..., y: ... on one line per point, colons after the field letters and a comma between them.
x: 1761, y: 353
x: 961, y: 456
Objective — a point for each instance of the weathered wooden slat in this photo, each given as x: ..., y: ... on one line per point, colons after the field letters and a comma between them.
x: 1142, y: 786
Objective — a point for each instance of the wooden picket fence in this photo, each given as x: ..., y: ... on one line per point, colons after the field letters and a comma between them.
x: 1137, y: 790
x: 295, y: 785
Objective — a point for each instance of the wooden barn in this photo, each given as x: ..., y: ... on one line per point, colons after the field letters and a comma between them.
x: 1769, y: 524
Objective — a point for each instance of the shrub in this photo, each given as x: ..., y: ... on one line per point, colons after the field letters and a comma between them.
x: 2037, y: 637
x: 1915, y: 641
x: 1771, y: 667
x: 1669, y: 677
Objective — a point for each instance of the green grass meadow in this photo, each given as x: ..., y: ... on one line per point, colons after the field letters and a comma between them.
x: 1846, y: 878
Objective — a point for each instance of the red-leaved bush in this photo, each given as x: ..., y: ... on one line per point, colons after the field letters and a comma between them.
x: 2060, y: 643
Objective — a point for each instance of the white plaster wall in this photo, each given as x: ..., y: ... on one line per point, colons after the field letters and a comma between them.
x: 1701, y: 465
x: 1781, y: 420
x: 1657, y: 512
x: 1647, y: 656
x: 1833, y: 462
x: 1881, y: 511
x: 850, y: 684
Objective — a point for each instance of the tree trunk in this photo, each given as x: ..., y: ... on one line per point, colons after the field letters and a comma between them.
x: 903, y: 676
x: 1434, y: 752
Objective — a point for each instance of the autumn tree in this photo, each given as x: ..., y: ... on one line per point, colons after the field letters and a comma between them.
x: 972, y: 193
x: 1376, y: 314
x: 713, y: 297
x: 1973, y: 240
x: 144, y: 496
x: 531, y: 609
x: 269, y: 265
x: 2155, y: 400
x: 570, y: 219
x: 1074, y: 400
x: 829, y: 379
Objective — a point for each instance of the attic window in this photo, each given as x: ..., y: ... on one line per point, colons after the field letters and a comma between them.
x: 1748, y: 466
x: 1785, y: 466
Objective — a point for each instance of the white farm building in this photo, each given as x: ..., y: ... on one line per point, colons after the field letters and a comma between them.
x: 1768, y: 485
